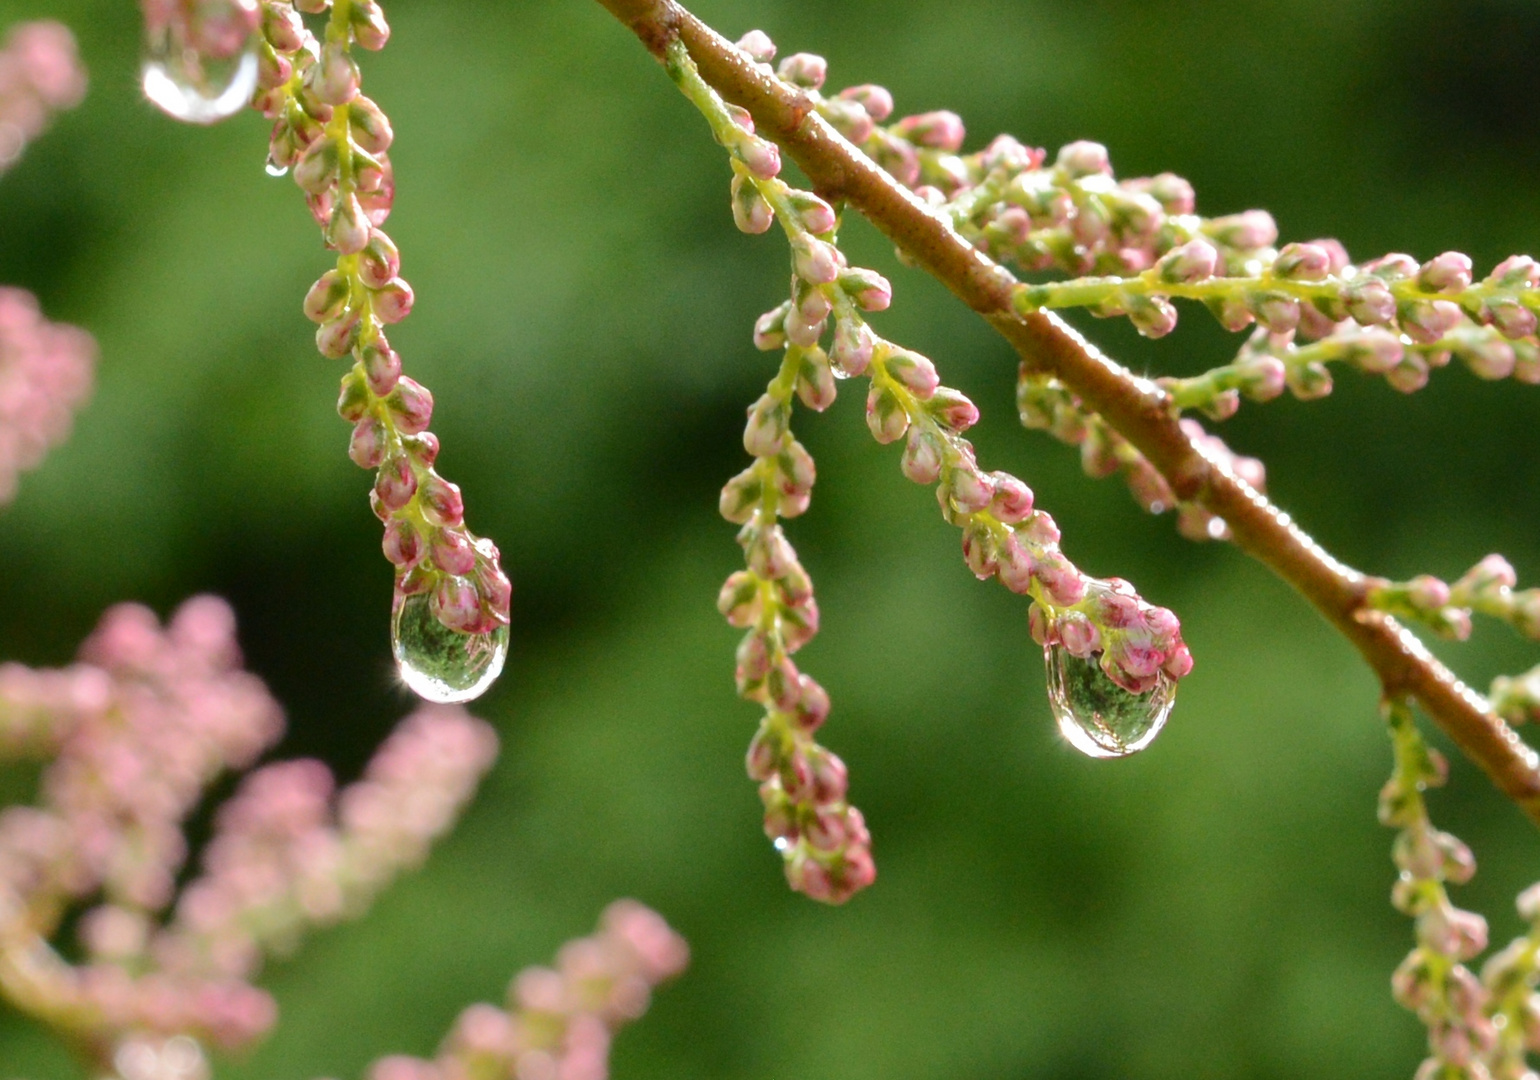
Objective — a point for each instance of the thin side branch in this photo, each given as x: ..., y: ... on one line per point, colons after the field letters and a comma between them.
x: 1135, y: 407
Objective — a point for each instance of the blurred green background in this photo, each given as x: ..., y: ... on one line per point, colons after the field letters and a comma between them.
x: 1215, y: 907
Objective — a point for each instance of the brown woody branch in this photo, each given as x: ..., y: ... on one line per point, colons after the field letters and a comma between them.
x: 1135, y: 407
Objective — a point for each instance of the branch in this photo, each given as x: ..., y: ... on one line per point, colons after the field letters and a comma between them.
x: 1136, y: 408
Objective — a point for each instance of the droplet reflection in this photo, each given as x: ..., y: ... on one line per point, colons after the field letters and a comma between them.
x: 440, y: 664
x: 1096, y: 715
x: 193, y: 88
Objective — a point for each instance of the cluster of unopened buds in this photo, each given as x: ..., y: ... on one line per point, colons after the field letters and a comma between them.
x: 1478, y: 1028
x: 132, y: 736
x: 45, y: 375
x: 40, y: 75
x: 451, y: 604
x: 557, y: 1022
x: 1132, y: 652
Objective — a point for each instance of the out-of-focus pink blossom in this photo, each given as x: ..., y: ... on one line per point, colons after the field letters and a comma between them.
x: 45, y: 375
x: 40, y: 75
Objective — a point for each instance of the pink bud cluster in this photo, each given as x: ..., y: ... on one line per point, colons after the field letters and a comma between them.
x: 1046, y: 404
x: 133, y: 735
x: 289, y: 852
x: 213, y: 29
x: 823, y: 840
x: 336, y: 140
x: 45, y: 375
x: 1487, y: 587
x: 1137, y: 644
x: 557, y: 1023
x: 1510, y: 977
x: 40, y: 74
x: 1003, y: 535
x: 1433, y: 981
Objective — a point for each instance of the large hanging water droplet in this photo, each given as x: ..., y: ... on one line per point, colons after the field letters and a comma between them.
x: 441, y: 664
x: 1096, y: 715
x: 275, y: 169
x: 195, y: 88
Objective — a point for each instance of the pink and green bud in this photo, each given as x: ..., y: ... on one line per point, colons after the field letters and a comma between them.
x: 442, y: 503
x: 369, y: 443
x: 317, y: 170
x: 921, y: 461
x: 1516, y: 272
x: 805, y: 70
x: 380, y: 261
x: 758, y: 45
x: 1248, y: 231
x: 1083, y: 158
x: 740, y: 496
x: 353, y: 401
x: 1368, y: 300
x: 452, y: 552
x: 740, y: 600
x: 382, y: 366
x: 369, y: 126
x: 349, y: 229
x: 335, y: 339
x: 770, y: 328
x: 1512, y: 319
x: 885, y: 414
x: 869, y: 290
x: 853, y: 346
x: 1152, y: 316
x: 328, y: 297
x: 396, y: 483
x: 952, y: 410
x: 334, y: 78
x: 815, y: 380
x: 751, y: 213
x: 940, y: 130
x: 410, y: 405
x: 392, y: 302
x: 1446, y: 273
x: 765, y: 433
x: 403, y: 543
x: 815, y: 261
x: 1011, y: 500
x: 456, y: 603
x: 762, y: 157
x: 1193, y: 261
x: 1302, y: 262
x: 817, y: 216
x: 367, y: 21
x: 876, y: 100
x: 915, y: 372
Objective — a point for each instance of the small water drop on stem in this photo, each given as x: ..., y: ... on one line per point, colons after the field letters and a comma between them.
x: 440, y: 664
x: 1097, y: 716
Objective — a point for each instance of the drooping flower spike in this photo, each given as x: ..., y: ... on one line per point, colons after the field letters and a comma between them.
x: 1131, y: 657
x: 450, y: 609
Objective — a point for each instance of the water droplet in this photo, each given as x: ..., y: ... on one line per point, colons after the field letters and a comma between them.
x: 441, y: 664
x: 275, y: 169
x: 782, y: 844
x: 1096, y: 715
x: 193, y: 88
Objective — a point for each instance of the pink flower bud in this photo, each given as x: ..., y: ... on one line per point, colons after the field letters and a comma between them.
x: 1152, y: 316
x: 369, y: 126
x: 979, y: 549
x: 968, y: 491
x: 370, y: 29
x: 766, y: 430
x: 816, y: 262
x: 441, y: 501
x: 334, y: 77
x: 921, y: 461
x: 327, y: 297
x: 853, y: 347
x: 335, y: 339
x: 1373, y: 351
x: 805, y: 70
x: 368, y: 444
x: 1011, y: 501
x: 1516, y: 272
x: 885, y: 414
x: 382, y: 366
x: 410, y: 405
x: 452, y: 552
x: 1512, y: 319
x: 740, y: 600
x: 1061, y: 582
x: 349, y: 229
x: 1178, y: 661
x: 403, y: 543
x: 915, y: 372
x: 940, y: 130
x: 1078, y: 634
x: 1302, y: 262
x: 396, y: 483
x: 392, y: 302
x: 868, y: 289
x: 740, y: 496
x: 1277, y: 311
x: 770, y: 328
x: 1446, y: 273
x: 456, y: 603
x: 1193, y: 261
x: 952, y: 410
x: 758, y: 45
x: 317, y: 170
x: 751, y: 213
x: 353, y: 400
x: 817, y: 216
x: 762, y: 157
x: 876, y: 100
x: 1248, y: 231
x: 815, y: 380
x: 1083, y: 159
x: 380, y: 261
x: 1369, y: 301
x: 1490, y: 359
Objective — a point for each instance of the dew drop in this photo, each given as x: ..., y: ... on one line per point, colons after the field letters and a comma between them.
x: 275, y: 169
x: 1096, y: 715
x: 440, y: 664
x: 193, y: 88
